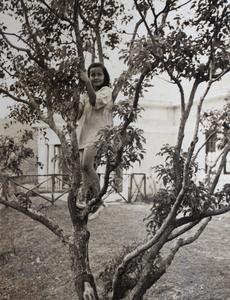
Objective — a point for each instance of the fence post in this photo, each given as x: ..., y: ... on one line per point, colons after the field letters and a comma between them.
x: 53, y: 188
x: 130, y: 189
x: 145, y: 183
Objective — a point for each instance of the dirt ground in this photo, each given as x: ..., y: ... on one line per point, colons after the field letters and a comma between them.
x: 34, y: 264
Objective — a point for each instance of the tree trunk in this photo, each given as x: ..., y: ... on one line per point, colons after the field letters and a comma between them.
x: 78, y: 248
x: 152, y: 268
x: 83, y: 279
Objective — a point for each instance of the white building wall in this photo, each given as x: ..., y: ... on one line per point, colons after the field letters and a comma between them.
x: 46, y: 144
x: 211, y: 103
x: 159, y: 121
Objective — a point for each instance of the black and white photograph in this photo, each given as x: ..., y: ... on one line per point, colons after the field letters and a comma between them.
x: 115, y: 150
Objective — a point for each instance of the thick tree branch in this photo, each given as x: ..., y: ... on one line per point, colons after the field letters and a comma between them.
x: 79, y: 42
x: 186, y: 228
x: 99, y: 44
x: 138, y: 88
x: 217, y: 212
x: 152, y: 270
x: 192, y: 238
x: 200, y: 216
x: 186, y: 113
x: 40, y: 218
x: 100, y: 13
x: 150, y: 243
x: 180, y: 137
x: 190, y: 152
x: 165, y: 11
x: 180, y: 87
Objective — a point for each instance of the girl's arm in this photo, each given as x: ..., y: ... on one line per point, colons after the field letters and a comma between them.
x: 90, y: 90
x: 80, y: 110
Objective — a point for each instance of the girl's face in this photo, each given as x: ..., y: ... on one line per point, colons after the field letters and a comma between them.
x: 97, y: 77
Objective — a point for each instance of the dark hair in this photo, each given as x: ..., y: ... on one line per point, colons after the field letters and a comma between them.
x: 106, y: 74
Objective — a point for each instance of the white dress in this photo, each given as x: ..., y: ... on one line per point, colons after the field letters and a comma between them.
x: 94, y: 118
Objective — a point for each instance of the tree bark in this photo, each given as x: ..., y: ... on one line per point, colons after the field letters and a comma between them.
x: 78, y: 248
x: 83, y: 279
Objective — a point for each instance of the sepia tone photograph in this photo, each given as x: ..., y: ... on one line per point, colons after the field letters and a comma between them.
x: 114, y: 150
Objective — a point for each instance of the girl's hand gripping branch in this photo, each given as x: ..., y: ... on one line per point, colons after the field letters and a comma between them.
x: 90, y: 90
x: 84, y: 76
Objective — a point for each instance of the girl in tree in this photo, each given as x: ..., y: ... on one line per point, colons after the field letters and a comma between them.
x: 95, y: 112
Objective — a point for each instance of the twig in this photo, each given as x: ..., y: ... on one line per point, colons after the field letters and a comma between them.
x: 13, y: 97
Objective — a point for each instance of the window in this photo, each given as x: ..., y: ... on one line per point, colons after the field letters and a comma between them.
x: 212, y: 153
x: 227, y: 165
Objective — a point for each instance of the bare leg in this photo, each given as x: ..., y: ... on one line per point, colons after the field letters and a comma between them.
x: 84, y: 176
x: 90, y: 178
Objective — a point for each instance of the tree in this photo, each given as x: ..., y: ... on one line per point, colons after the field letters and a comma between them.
x: 13, y: 152
x: 43, y: 64
x: 41, y: 60
x: 193, y: 49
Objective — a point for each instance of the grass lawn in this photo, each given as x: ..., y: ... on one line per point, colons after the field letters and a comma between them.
x: 34, y: 264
